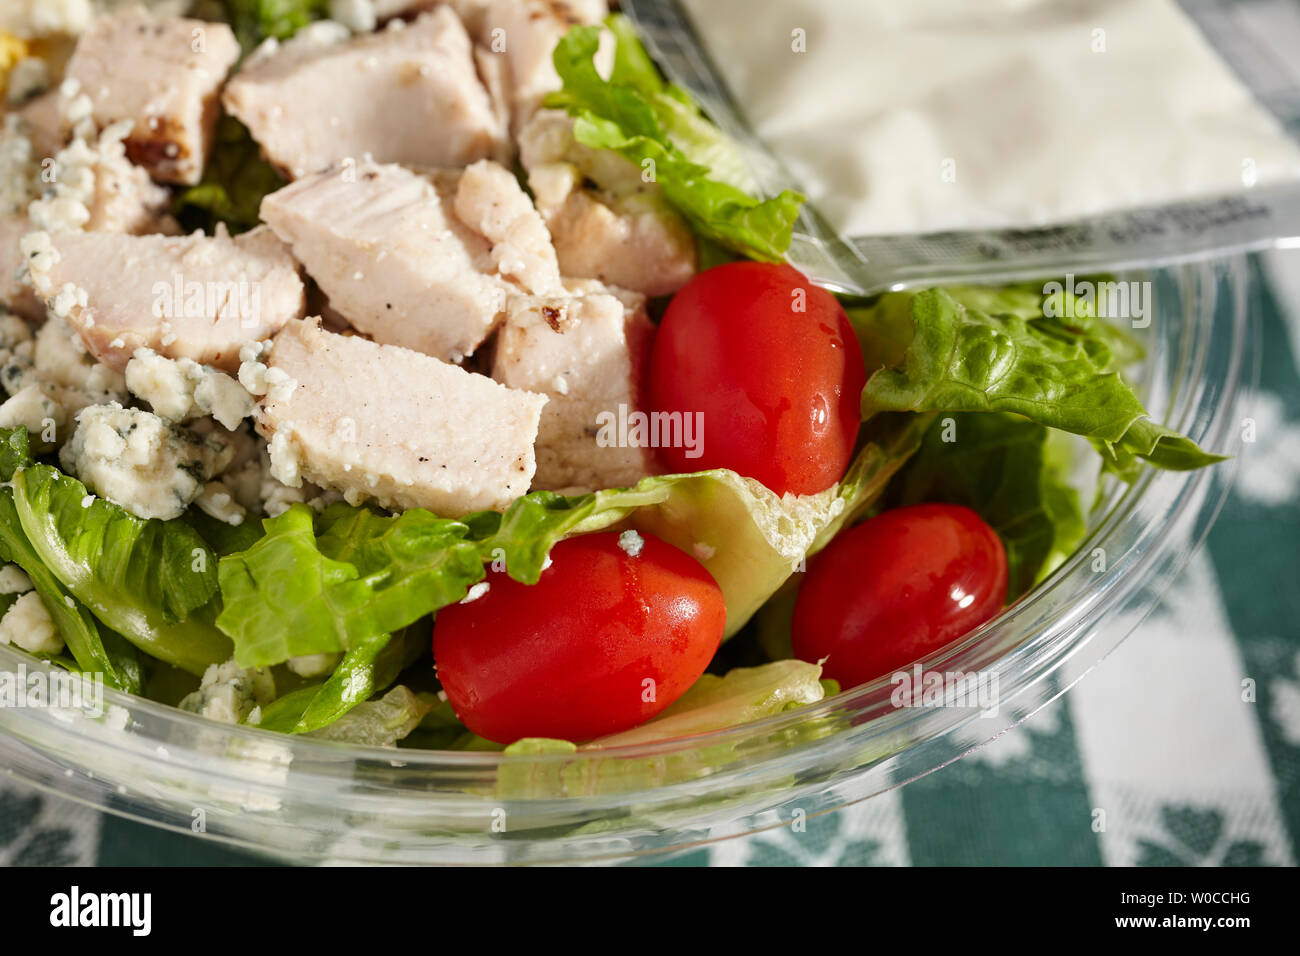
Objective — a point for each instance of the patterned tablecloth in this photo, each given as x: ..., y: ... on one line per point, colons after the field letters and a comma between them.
x: 1159, y: 736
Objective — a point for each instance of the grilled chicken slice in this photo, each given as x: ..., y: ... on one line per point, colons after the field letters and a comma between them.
x: 526, y: 32
x: 586, y: 353
x: 384, y: 244
x: 43, y: 124
x: 383, y: 423
x: 165, y: 75
x: 15, y: 294
x: 197, y: 297
x: 490, y: 201
x: 407, y: 94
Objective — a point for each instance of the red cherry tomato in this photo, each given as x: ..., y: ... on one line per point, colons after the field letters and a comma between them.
x: 603, y: 642
x: 897, y: 587
x: 773, y: 365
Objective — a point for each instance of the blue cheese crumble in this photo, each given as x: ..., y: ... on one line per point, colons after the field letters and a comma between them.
x: 28, y: 625
x: 230, y: 693
x: 181, y: 389
x: 139, y: 461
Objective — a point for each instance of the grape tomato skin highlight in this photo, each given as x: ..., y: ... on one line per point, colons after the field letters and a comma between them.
x: 608, y: 637
x: 897, y: 588
x: 771, y: 363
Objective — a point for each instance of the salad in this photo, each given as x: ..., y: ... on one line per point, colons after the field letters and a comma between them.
x: 430, y: 375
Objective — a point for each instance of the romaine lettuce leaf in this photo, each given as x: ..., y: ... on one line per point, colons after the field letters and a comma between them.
x: 94, y: 652
x: 957, y: 358
x: 715, y: 703
x: 370, y: 666
x: 657, y: 127
x: 381, y: 722
x: 315, y: 586
x: 743, y: 695
x: 749, y: 539
x: 150, y: 581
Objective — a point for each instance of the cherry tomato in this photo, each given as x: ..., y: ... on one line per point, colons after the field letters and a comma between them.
x: 896, y: 588
x: 604, y: 641
x: 772, y: 364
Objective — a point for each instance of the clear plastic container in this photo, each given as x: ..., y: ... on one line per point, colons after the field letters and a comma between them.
x: 308, y: 800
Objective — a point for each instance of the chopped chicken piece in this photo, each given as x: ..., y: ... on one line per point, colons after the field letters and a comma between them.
x: 385, y: 423
x: 530, y: 30
x: 14, y: 293
x: 96, y: 188
x: 43, y: 124
x: 197, y: 297
x: 490, y: 201
x: 586, y: 354
x: 470, y: 11
x: 163, y: 74
x: 622, y: 232
x: 407, y: 94
x: 383, y: 244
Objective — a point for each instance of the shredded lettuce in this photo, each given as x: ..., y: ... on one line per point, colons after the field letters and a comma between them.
x: 931, y: 352
x: 656, y: 126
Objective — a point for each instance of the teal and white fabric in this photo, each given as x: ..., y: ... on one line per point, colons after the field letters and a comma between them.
x: 1181, y: 748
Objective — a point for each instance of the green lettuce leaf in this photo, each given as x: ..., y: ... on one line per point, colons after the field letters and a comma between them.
x: 223, y: 538
x: 749, y: 539
x: 957, y: 358
x: 15, y: 451
x: 234, y: 182
x: 1111, y: 347
x: 370, y: 666
x: 381, y: 722
x: 715, y: 703
x: 656, y: 126
x: 998, y: 466
x: 256, y: 20
x: 294, y: 593
x: 94, y: 652
x: 153, y: 582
